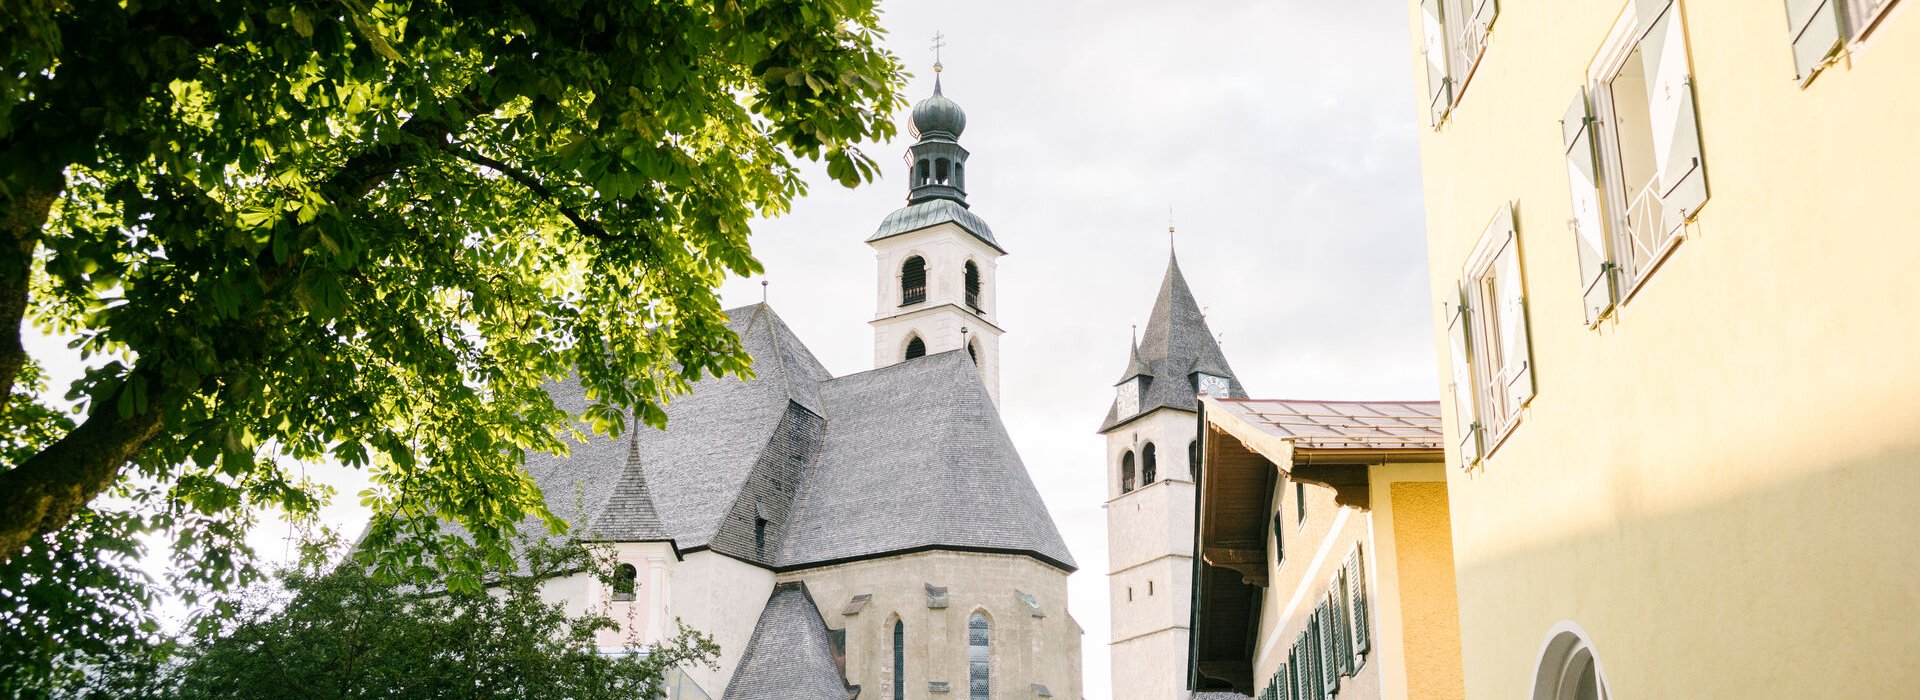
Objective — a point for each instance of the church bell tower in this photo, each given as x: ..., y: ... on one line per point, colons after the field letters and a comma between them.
x: 936, y: 290
x: 1152, y: 450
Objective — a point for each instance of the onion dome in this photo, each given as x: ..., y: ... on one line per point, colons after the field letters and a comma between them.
x: 938, y: 116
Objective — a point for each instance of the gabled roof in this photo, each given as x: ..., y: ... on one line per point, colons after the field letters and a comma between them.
x: 934, y: 212
x: 1176, y: 344
x: 790, y: 656
x: 916, y: 458
x: 794, y: 468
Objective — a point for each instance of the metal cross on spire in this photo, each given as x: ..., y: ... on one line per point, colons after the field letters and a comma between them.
x: 939, y: 42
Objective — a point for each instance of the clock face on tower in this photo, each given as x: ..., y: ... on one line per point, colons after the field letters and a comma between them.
x: 1211, y: 385
x: 1128, y: 397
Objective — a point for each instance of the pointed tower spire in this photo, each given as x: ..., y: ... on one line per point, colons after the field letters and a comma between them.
x: 1176, y: 354
x: 629, y: 515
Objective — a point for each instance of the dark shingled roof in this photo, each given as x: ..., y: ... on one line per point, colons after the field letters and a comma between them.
x: 790, y: 656
x: 916, y: 458
x: 795, y: 468
x: 1176, y: 344
x: 933, y: 212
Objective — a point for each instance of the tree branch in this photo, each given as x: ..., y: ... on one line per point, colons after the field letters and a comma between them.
x: 587, y: 226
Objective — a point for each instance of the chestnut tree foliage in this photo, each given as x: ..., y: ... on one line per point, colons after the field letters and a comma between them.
x: 369, y: 231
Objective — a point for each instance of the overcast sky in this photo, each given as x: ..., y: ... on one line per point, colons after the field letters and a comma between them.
x: 1282, y: 134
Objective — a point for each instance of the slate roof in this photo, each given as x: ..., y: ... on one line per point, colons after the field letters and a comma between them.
x: 795, y: 468
x: 1176, y: 344
x: 1341, y: 424
x: 934, y: 212
x: 790, y: 656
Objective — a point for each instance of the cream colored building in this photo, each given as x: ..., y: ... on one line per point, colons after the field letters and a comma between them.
x: 1326, y: 564
x: 873, y: 535
x: 1672, y: 245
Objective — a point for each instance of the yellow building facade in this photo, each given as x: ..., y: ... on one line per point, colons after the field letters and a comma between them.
x: 1672, y: 247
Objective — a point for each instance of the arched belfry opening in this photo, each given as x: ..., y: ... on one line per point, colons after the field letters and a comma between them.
x: 913, y: 281
x: 973, y: 285
x: 916, y: 348
x: 1126, y: 472
x: 1149, y: 464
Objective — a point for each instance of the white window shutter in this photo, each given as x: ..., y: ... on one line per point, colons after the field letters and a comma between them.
x: 1459, y: 346
x: 1675, y: 124
x: 1589, y: 234
x: 1814, y: 27
x: 1439, y: 85
x: 1516, y: 350
x: 1482, y: 23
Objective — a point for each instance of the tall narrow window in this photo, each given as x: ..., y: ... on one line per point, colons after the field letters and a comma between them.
x: 940, y: 172
x: 1300, y: 501
x: 625, y: 581
x: 899, y: 660
x: 1149, y: 464
x: 925, y: 173
x: 913, y: 281
x: 1126, y: 472
x: 973, y: 285
x: 978, y: 663
x: 973, y: 352
x: 1193, y: 459
x: 916, y: 349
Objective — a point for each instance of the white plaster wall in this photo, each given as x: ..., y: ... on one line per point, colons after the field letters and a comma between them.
x: 1150, y: 547
x: 722, y: 597
x: 938, y: 320
x: 1025, y: 649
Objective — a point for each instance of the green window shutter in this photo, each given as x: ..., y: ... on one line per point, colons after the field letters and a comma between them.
x: 1814, y: 26
x: 1329, y: 668
x: 1293, y: 673
x: 1676, y: 126
x: 1439, y: 85
x: 1357, y: 582
x: 1343, y: 617
x: 1516, y: 351
x: 1460, y: 345
x: 1589, y: 234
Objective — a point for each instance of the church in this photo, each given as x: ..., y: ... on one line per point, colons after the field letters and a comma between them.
x: 873, y: 535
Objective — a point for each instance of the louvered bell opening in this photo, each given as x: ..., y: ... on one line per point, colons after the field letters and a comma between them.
x: 973, y: 285
x: 916, y: 349
x: 913, y: 281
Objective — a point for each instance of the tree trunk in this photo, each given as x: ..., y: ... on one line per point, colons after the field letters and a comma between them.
x: 44, y: 492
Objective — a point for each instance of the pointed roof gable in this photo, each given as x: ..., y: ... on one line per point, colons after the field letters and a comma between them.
x: 1176, y: 344
x: 791, y: 654
x: 629, y: 514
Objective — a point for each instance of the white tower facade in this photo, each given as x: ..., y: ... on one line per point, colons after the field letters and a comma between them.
x: 1151, y: 454
x: 936, y: 290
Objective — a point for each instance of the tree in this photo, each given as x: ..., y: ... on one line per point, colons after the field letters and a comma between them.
x: 371, y: 230
x: 334, y: 631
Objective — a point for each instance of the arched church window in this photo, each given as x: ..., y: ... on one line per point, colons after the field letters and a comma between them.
x: 899, y: 660
x: 916, y: 349
x: 978, y: 661
x: 1149, y: 465
x: 973, y: 352
x: 973, y: 285
x: 925, y: 173
x: 913, y: 281
x: 1126, y: 472
x: 625, y: 581
x: 940, y: 171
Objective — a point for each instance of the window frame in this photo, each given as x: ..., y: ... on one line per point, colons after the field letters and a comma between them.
x: 1488, y: 367
x: 1457, y: 29
x: 1149, y: 465
x: 980, y: 669
x: 1127, y: 472
x: 1615, y: 202
x: 906, y: 291
x: 1858, y: 27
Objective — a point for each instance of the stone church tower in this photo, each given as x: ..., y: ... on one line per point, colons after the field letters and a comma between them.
x: 936, y: 257
x: 1151, y: 445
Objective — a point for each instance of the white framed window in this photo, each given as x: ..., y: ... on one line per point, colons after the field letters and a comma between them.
x: 1821, y: 29
x: 1634, y: 163
x: 1492, y: 354
x: 1455, y: 33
